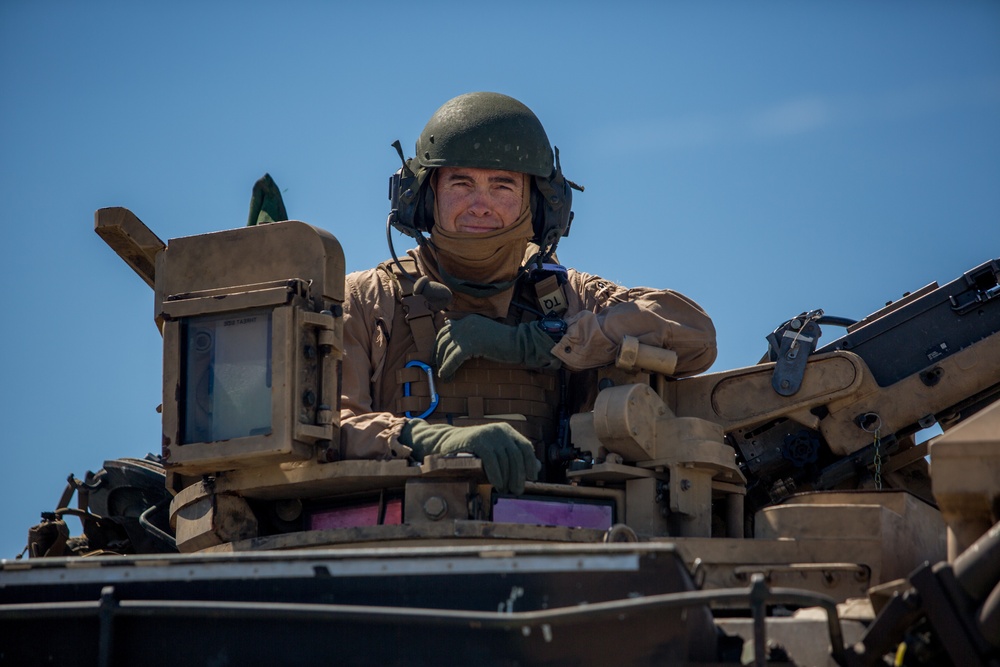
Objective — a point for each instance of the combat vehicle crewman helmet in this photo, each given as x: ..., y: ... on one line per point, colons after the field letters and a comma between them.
x: 484, y: 131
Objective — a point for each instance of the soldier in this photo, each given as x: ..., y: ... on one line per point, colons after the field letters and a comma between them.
x: 479, y: 341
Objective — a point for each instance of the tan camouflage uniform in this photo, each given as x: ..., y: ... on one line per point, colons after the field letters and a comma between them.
x: 599, y: 314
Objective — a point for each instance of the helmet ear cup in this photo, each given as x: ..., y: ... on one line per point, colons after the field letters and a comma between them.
x: 554, y: 210
x: 408, y: 195
x: 425, y: 207
x: 537, y: 213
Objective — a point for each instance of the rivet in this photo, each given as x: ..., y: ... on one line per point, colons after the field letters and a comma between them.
x: 435, y: 507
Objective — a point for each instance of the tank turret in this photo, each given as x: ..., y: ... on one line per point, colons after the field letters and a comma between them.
x: 779, y: 513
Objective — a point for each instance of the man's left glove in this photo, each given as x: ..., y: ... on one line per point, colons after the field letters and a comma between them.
x: 508, y: 457
x: 477, y: 336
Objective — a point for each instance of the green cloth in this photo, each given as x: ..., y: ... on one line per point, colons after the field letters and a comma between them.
x: 477, y: 336
x: 266, y: 204
x: 508, y: 457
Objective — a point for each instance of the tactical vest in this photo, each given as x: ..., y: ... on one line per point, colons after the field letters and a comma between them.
x: 481, y: 392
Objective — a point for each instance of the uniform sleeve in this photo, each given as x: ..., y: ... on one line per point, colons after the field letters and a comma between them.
x: 604, y: 313
x: 366, y: 433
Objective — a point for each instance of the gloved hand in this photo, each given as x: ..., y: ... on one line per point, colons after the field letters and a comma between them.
x: 508, y: 457
x: 478, y: 336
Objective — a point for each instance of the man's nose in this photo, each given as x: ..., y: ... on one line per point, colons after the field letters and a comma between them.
x: 480, y: 203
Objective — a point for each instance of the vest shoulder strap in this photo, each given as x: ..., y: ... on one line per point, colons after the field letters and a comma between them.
x: 416, y: 311
x: 409, y: 265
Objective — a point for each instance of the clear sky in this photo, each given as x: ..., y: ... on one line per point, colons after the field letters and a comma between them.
x: 764, y: 158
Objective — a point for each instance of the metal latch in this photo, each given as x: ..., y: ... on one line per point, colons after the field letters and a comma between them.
x: 791, y: 345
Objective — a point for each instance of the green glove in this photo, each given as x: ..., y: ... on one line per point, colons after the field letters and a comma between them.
x: 478, y: 336
x: 266, y: 204
x: 508, y: 457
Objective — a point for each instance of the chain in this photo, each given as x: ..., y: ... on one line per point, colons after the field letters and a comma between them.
x: 878, y: 461
x: 874, y: 426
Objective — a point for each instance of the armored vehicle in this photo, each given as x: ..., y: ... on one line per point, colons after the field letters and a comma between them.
x: 781, y: 513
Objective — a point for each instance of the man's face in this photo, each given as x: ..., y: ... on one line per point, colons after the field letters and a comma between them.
x: 477, y: 200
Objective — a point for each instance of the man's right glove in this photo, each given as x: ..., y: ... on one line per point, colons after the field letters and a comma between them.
x: 508, y: 457
x: 478, y: 336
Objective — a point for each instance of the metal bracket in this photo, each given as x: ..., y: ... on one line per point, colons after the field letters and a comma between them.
x: 793, y: 343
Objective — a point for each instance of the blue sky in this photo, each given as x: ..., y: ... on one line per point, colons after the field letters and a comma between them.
x: 763, y: 158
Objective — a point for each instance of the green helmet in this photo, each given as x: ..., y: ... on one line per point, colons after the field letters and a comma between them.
x: 487, y: 131
x: 484, y: 131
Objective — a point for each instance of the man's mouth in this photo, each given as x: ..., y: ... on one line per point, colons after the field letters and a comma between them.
x: 477, y: 228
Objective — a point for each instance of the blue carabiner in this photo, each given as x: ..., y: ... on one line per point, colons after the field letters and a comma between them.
x: 435, y: 399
